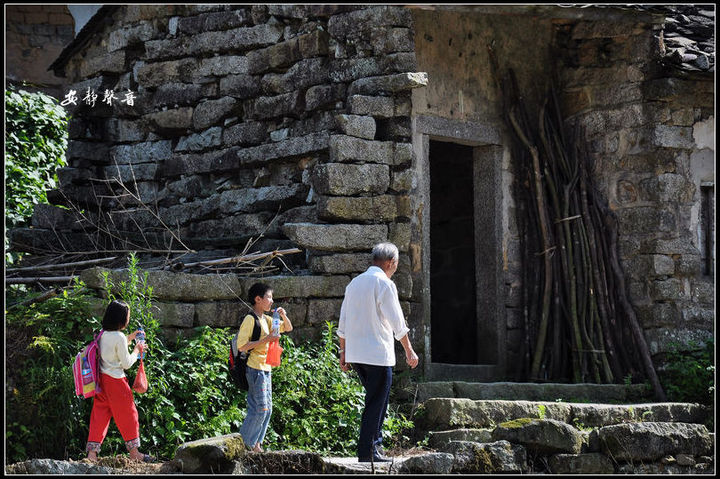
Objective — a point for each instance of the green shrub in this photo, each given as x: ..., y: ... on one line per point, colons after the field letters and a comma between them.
x: 316, y: 407
x: 689, y: 373
x: 43, y: 416
x: 35, y: 143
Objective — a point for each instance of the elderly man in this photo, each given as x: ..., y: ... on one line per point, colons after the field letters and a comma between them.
x: 369, y: 318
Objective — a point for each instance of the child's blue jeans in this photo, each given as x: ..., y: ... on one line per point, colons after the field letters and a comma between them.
x: 259, y: 400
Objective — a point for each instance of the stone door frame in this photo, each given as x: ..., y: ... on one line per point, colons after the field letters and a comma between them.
x: 487, y: 171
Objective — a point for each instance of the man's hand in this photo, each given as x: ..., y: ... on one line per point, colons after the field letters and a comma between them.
x: 343, y: 365
x: 411, y: 358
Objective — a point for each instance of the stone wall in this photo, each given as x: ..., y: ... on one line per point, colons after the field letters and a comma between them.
x: 300, y: 123
x: 34, y: 37
x: 242, y: 113
x: 649, y: 136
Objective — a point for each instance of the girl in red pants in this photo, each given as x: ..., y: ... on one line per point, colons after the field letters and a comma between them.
x: 116, y: 399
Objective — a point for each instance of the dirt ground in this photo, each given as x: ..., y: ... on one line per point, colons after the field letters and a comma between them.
x: 128, y: 466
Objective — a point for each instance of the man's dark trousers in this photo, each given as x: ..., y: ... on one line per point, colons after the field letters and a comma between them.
x: 377, y: 381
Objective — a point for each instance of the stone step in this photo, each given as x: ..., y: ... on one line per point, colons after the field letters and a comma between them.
x: 587, y: 392
x: 442, y: 414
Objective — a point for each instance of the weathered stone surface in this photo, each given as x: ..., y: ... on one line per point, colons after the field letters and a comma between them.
x: 52, y: 217
x: 145, y: 152
x: 346, y: 24
x: 230, y: 229
x: 303, y: 286
x: 282, y: 149
x: 494, y: 457
x: 594, y: 415
x: 174, y: 314
x: 215, y: 455
x: 211, y: 112
x: 169, y: 121
x: 246, y: 133
x: 243, y: 38
x: 673, y: 137
x: 170, y: 286
x: 219, y: 314
x: 591, y: 463
x: 649, y: 441
x: 377, y: 106
x: 212, y: 21
x: 287, y: 104
x: 151, y: 75
x: 346, y: 180
x: 357, y: 125
x: 367, y: 208
x: 257, y: 199
x: 660, y: 468
x: 54, y: 466
x: 339, y: 237
x: 183, y: 93
x: 140, y: 33
x: 388, y: 83
x: 391, y: 40
x: 429, y: 463
x: 439, y: 439
x: 87, y: 150
x: 109, y: 63
x: 302, y: 75
x: 347, y: 149
x: 200, y: 141
x: 340, y: 263
x: 288, y: 52
x: 448, y: 413
x: 324, y: 96
x: 283, y: 462
x: 125, y: 130
x: 647, y: 219
x: 346, y: 70
x: 541, y: 436
x: 667, y: 187
x: 321, y: 310
x: 240, y: 86
x: 664, y: 340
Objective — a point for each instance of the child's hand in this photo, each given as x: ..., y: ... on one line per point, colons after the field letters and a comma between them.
x: 281, y: 312
x: 132, y: 336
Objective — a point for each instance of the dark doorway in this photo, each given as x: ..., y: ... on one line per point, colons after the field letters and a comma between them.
x: 453, y: 337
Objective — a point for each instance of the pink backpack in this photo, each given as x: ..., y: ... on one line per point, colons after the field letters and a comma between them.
x: 86, y: 369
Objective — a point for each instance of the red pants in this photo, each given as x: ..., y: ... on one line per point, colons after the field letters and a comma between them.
x: 115, y: 401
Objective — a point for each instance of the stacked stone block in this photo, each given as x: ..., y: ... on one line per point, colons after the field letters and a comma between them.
x: 286, y: 121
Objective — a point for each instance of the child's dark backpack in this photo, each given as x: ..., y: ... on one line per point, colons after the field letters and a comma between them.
x: 86, y: 369
x: 238, y: 361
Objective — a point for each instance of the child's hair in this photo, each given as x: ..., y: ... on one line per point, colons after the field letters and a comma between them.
x: 115, y: 316
x: 257, y: 289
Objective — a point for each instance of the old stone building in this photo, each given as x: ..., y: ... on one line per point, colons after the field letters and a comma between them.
x: 331, y: 128
x: 34, y: 37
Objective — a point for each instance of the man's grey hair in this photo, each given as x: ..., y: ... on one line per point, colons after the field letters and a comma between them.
x: 385, y: 251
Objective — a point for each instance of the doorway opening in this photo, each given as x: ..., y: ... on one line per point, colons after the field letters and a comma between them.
x: 453, y: 307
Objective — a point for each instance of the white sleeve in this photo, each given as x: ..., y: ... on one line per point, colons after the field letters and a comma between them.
x: 121, y: 350
x: 341, y: 323
x: 389, y: 305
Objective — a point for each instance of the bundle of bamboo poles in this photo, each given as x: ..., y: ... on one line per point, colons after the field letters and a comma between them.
x: 579, y: 324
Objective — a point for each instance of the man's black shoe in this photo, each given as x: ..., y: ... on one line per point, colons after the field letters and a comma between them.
x: 375, y: 458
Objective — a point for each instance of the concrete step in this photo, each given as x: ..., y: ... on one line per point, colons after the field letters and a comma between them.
x: 443, y: 414
x: 588, y: 392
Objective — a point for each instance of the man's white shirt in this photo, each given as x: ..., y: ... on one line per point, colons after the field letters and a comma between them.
x: 370, y: 316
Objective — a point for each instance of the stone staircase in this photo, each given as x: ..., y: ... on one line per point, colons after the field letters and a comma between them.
x: 514, y: 422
